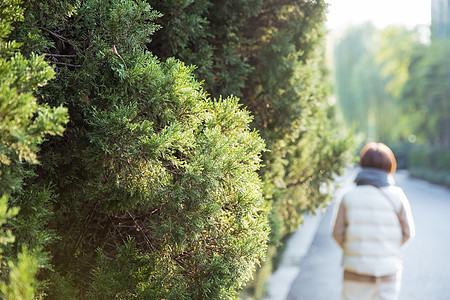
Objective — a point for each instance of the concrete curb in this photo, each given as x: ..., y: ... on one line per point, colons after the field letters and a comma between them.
x: 298, y: 246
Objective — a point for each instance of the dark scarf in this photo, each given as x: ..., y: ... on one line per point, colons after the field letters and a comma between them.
x: 371, y: 176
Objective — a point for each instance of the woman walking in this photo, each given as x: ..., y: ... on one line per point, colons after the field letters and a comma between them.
x: 372, y: 223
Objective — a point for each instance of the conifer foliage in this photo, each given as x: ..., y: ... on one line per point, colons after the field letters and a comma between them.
x: 270, y: 53
x: 154, y: 186
x: 156, y: 189
x: 23, y: 126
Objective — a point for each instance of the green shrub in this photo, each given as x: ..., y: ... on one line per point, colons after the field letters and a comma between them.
x: 24, y: 125
x: 431, y: 164
x: 443, y: 160
x: 155, y: 185
x: 419, y: 159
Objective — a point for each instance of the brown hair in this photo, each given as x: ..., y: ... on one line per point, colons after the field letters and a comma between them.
x: 378, y: 156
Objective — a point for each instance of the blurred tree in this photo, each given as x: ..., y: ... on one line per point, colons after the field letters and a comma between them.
x: 372, y: 69
x: 417, y: 76
x: 397, y: 46
x: 354, y: 49
x: 399, y: 50
x: 427, y: 92
x: 360, y: 88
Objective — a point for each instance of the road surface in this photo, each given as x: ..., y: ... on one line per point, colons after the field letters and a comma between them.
x: 426, y: 274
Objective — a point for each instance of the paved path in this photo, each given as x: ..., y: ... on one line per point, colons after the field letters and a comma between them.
x: 427, y: 258
x: 299, y: 245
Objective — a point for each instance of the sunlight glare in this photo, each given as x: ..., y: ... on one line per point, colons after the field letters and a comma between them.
x: 344, y: 13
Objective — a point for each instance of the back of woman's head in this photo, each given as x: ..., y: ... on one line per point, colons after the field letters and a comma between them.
x: 378, y: 156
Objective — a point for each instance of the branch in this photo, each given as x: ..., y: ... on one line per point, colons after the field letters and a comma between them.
x: 133, y: 218
x: 54, y: 34
x: 60, y: 55
x: 139, y: 217
x: 299, y: 182
x: 63, y: 64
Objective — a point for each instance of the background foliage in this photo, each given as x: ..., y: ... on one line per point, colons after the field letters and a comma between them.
x: 164, y: 184
x: 401, y: 96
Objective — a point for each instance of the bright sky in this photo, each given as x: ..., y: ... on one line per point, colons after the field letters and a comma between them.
x: 343, y: 13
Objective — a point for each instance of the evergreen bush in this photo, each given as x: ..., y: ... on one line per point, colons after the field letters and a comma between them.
x: 24, y: 124
x: 271, y: 53
x: 154, y: 186
x: 156, y: 189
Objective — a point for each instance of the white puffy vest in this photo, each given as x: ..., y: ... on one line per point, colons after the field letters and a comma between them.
x: 373, y: 236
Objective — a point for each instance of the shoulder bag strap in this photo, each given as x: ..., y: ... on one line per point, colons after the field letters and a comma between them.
x: 389, y: 200
x: 401, y: 220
